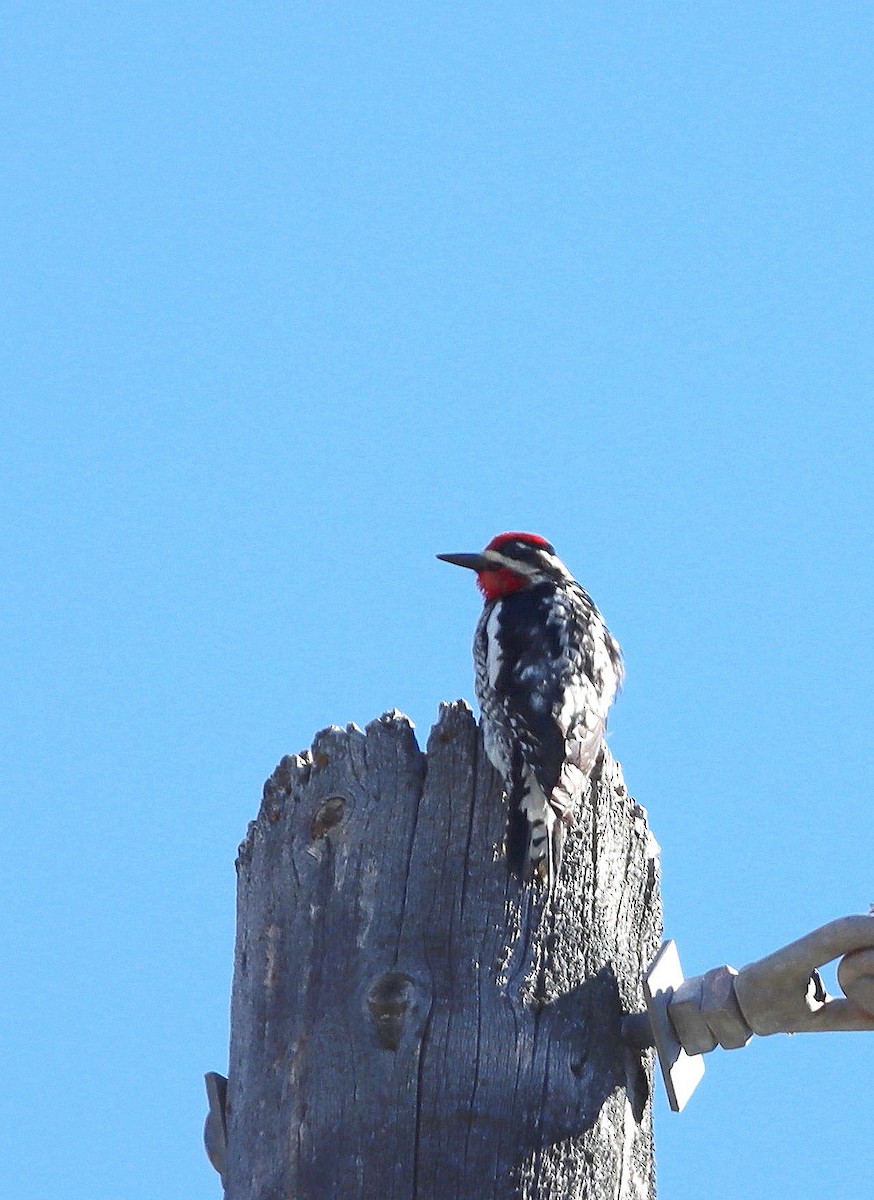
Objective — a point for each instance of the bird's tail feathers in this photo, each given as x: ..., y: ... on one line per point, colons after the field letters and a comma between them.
x: 516, y: 843
x: 535, y: 832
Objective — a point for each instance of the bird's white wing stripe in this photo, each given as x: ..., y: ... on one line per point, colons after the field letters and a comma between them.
x: 494, y: 658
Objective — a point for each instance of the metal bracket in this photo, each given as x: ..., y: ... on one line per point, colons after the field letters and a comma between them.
x: 781, y: 993
x: 681, y: 1070
x: 214, y: 1128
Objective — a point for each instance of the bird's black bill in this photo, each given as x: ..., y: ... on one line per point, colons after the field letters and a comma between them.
x: 475, y: 562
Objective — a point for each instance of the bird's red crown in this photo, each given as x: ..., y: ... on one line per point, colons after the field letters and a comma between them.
x: 532, y: 538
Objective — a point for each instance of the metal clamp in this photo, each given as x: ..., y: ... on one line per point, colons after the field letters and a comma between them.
x: 214, y: 1129
x: 781, y: 993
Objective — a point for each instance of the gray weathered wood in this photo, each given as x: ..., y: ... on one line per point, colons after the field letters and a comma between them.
x: 408, y: 1023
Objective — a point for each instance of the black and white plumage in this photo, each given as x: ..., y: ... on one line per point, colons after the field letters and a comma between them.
x: 547, y: 671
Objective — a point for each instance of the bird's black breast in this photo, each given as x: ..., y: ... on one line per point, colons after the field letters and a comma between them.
x: 531, y: 677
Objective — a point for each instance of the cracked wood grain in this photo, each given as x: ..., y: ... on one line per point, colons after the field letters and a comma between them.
x: 407, y: 1022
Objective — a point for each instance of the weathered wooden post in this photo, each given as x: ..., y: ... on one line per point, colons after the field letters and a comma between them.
x: 408, y: 1023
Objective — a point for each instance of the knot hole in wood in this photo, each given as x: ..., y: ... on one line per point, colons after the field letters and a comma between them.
x: 328, y: 815
x: 389, y: 1000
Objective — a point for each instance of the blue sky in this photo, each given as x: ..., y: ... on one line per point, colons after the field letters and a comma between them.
x: 294, y: 297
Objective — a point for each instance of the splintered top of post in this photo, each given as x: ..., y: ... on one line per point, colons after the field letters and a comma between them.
x: 392, y: 730
x: 336, y: 739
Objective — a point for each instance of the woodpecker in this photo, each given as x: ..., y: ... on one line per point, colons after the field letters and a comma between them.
x: 547, y: 670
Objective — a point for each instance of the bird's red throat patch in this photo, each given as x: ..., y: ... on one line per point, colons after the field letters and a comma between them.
x: 494, y: 584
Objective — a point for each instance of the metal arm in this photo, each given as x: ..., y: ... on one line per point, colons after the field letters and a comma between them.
x: 781, y: 993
